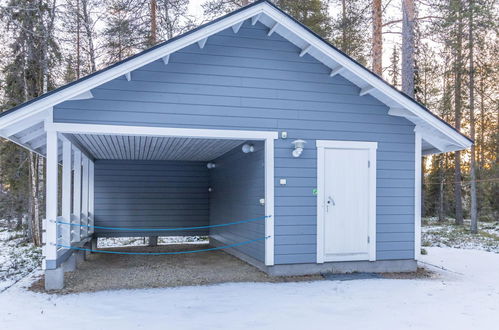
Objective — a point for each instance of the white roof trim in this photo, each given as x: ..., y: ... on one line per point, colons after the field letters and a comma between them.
x: 253, y: 12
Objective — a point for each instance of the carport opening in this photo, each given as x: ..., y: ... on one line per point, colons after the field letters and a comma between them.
x: 175, y: 183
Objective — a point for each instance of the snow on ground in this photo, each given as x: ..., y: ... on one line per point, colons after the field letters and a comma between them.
x: 449, y: 235
x: 464, y: 296
x: 104, y: 242
x: 17, y: 257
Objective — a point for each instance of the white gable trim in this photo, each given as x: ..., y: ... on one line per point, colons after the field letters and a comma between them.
x: 253, y: 12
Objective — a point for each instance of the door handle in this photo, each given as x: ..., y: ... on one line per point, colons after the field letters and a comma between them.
x: 330, y: 201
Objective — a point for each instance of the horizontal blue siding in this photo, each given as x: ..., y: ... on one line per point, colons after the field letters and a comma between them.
x: 151, y: 194
x: 250, y: 81
x: 238, y: 183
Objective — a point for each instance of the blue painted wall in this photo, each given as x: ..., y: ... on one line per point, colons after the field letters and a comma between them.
x: 151, y: 194
x: 251, y: 81
x: 238, y: 183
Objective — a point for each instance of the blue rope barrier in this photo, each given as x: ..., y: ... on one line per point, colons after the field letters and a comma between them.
x: 163, y: 229
x: 163, y: 253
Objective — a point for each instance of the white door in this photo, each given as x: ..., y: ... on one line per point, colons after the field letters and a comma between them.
x: 347, y: 194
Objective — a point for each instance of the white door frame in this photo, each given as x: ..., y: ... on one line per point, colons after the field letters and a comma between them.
x: 322, y: 145
x: 267, y: 136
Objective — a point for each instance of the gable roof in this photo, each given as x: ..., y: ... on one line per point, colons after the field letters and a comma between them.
x: 438, y: 135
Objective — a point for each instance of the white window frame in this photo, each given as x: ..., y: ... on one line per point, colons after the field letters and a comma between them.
x: 322, y: 145
x: 267, y: 136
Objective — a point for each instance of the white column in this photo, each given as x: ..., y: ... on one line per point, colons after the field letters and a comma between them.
x: 91, y: 190
x: 84, y: 197
x: 50, y: 248
x: 76, y: 230
x: 269, y: 201
x: 66, y: 191
x: 417, y: 194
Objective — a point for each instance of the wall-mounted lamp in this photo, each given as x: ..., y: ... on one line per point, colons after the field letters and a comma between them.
x: 299, y: 145
x: 211, y: 165
x: 247, y: 148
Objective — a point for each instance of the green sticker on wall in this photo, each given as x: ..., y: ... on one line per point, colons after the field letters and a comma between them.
x: 314, y: 191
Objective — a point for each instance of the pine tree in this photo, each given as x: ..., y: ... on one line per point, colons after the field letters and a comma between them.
x: 312, y: 13
x: 34, y: 54
x: 349, y: 29
x: 393, y: 69
x: 126, y: 29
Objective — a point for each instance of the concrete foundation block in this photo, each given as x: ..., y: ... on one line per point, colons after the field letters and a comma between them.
x: 70, y: 264
x: 153, y: 240
x: 93, y: 244
x: 80, y: 257
x: 54, y: 279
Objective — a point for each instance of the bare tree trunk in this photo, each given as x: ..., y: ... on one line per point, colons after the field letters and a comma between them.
x: 457, y: 119
x: 473, y: 211
x: 35, y: 202
x: 153, y: 38
x: 440, y: 209
x: 78, y: 56
x: 408, y: 12
x: 87, y: 25
x: 377, y: 45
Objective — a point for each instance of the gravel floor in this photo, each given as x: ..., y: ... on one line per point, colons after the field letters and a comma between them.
x: 113, y: 271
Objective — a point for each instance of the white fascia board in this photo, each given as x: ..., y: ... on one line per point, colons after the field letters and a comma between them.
x: 159, y: 131
x: 368, y: 77
x: 130, y: 65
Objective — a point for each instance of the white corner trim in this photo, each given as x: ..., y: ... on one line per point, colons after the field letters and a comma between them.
x: 417, y: 194
x: 322, y: 145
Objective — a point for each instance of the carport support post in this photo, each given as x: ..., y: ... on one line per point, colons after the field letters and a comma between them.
x: 54, y: 275
x: 153, y: 240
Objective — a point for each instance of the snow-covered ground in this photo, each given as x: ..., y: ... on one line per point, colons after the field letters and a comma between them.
x: 104, y: 242
x: 449, y: 235
x: 17, y: 257
x: 463, y: 296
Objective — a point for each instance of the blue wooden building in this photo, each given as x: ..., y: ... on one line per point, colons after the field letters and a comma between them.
x: 249, y: 116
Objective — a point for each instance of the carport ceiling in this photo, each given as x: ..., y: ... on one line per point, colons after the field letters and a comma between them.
x: 130, y: 147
